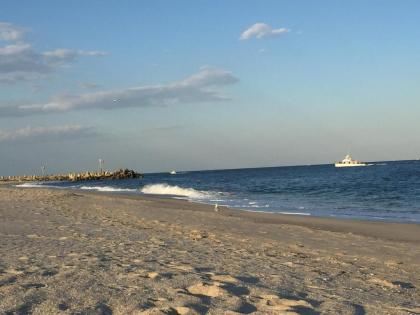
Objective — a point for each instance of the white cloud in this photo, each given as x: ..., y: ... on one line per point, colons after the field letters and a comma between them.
x: 20, y: 62
x: 10, y: 32
x: 261, y: 30
x: 30, y: 134
x: 199, y: 87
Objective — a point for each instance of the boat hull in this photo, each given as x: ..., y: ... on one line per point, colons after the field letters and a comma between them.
x: 349, y: 165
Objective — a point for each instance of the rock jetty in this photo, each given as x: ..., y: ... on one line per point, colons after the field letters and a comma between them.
x: 75, y: 177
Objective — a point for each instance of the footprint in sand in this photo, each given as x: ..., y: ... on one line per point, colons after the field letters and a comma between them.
x: 14, y: 272
x: 33, y: 285
x: 224, y: 278
x: 383, y: 283
x: 196, y: 235
x: 152, y: 275
x: 153, y: 311
x: 49, y: 273
x: 5, y: 280
x: 178, y: 310
x: 391, y: 285
x: 185, y: 268
x: 273, y: 303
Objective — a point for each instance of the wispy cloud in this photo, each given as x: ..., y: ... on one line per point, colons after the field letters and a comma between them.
x: 10, y: 32
x: 20, y: 62
x: 31, y: 134
x: 261, y: 30
x: 89, y: 85
x: 164, y: 130
x: 199, y: 87
x: 63, y: 56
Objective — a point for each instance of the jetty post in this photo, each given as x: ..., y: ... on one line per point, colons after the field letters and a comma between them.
x: 101, y: 165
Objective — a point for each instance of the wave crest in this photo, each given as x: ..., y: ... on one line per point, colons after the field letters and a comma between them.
x: 30, y: 185
x: 165, y: 189
x: 107, y: 189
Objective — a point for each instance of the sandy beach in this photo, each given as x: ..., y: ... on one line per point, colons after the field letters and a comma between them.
x: 68, y: 252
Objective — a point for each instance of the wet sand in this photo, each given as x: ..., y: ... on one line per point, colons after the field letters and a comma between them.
x: 68, y: 252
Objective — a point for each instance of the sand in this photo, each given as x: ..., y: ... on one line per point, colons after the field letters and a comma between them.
x: 67, y: 252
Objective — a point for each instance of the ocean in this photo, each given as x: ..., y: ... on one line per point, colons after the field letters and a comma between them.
x: 382, y: 191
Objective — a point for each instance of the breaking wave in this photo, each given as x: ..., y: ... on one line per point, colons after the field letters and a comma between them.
x: 295, y: 213
x: 34, y: 185
x: 165, y: 189
x: 107, y: 189
x: 29, y: 185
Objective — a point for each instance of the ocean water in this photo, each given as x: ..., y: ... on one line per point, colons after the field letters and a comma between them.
x: 388, y: 191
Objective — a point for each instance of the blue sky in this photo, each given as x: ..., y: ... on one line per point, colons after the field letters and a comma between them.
x: 159, y: 85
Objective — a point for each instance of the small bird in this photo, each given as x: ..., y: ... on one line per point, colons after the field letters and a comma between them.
x: 216, y: 208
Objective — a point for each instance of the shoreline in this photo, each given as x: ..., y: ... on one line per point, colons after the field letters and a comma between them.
x: 388, y: 230
x: 406, y: 232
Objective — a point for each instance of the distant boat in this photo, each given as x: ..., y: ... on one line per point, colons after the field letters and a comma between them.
x: 349, y: 162
x: 173, y: 172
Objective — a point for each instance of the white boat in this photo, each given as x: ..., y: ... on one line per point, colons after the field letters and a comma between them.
x: 349, y: 162
x: 173, y: 172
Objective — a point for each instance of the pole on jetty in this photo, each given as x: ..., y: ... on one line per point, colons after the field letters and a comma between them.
x: 43, y: 170
x: 101, y: 165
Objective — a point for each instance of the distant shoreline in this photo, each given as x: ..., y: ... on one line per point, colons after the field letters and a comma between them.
x: 260, y: 167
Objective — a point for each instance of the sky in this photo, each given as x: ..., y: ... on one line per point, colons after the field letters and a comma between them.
x: 191, y: 85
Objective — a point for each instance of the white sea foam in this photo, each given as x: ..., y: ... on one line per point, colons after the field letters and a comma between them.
x: 35, y: 185
x: 30, y: 185
x: 295, y: 213
x: 254, y: 206
x: 107, y: 189
x: 275, y: 212
x: 165, y: 189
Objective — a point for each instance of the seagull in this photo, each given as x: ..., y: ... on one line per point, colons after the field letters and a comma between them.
x: 216, y: 208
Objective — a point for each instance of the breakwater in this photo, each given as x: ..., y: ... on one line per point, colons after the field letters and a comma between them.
x: 74, y: 177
